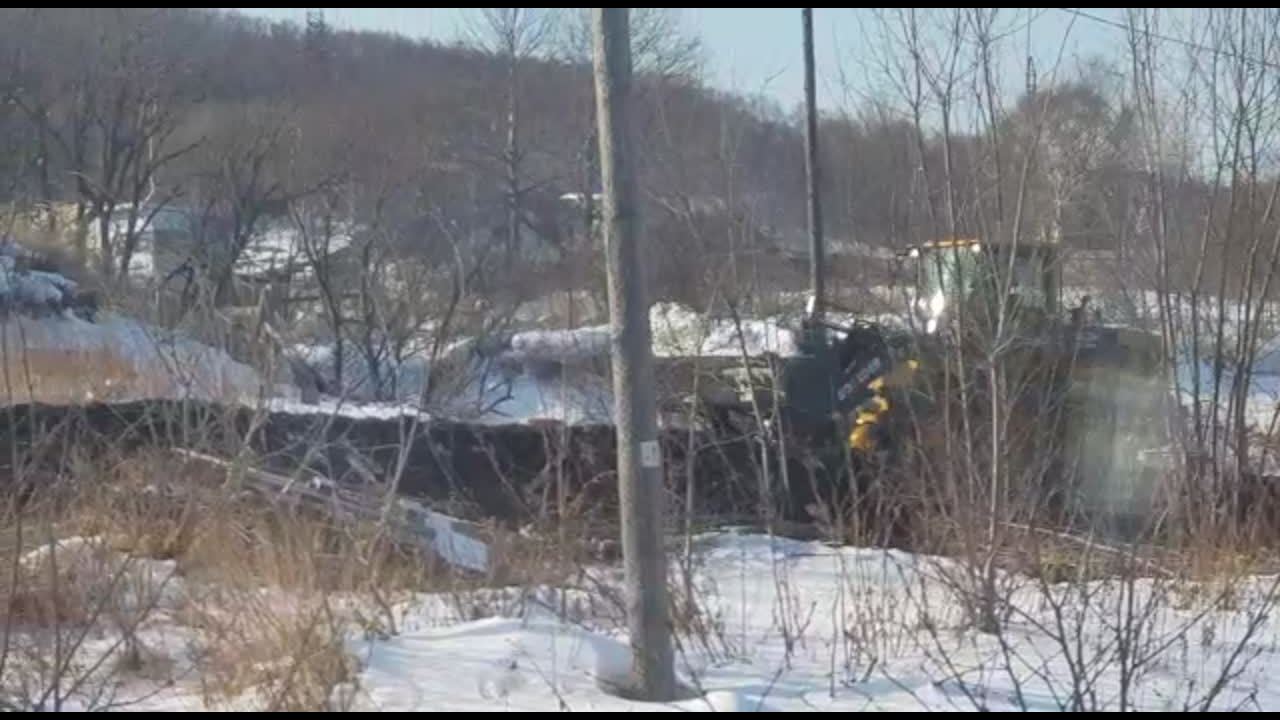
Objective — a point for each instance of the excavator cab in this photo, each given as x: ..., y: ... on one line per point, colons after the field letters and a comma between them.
x: 974, y: 287
x: 964, y: 280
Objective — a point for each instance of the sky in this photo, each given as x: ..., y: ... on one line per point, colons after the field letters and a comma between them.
x: 758, y: 50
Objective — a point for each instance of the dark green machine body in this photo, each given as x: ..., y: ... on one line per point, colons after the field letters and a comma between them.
x: 865, y: 391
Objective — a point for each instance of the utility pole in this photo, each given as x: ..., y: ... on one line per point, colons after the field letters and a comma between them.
x: 639, y: 455
x: 812, y: 174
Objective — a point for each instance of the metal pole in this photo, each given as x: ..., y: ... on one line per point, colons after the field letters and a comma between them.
x: 813, y: 176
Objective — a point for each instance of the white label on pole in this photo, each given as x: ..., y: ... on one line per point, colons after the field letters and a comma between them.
x: 650, y: 454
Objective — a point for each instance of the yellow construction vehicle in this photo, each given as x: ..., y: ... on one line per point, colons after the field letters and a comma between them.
x: 1086, y: 394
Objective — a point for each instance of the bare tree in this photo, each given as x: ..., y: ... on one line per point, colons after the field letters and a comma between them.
x: 514, y: 36
x: 1208, y: 220
x: 660, y: 44
x: 114, y: 124
x: 323, y: 228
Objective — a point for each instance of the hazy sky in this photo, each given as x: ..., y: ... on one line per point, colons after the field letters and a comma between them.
x: 758, y: 50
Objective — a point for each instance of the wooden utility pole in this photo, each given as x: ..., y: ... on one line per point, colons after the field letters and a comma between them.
x: 639, y: 455
x: 812, y: 175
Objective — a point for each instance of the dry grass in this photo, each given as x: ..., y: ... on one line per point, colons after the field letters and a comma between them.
x: 260, y: 586
x: 270, y: 593
x: 283, y: 652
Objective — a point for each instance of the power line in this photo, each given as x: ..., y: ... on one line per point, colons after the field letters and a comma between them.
x: 1031, y: 18
x: 1169, y: 38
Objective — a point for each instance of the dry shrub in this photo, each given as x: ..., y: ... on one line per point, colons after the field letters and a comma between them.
x: 288, y: 653
x: 273, y: 589
x: 258, y: 581
x: 73, y: 619
x: 536, y: 556
x: 148, y: 504
x: 45, y: 595
x: 82, y: 585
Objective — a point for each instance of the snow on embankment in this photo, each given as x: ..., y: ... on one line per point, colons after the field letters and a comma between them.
x: 543, y: 374
x: 677, y: 332
x: 53, y: 349
x: 562, y: 374
x: 64, y: 359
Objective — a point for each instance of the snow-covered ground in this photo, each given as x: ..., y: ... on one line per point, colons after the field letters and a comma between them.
x: 580, y: 398
x: 677, y: 332
x: 806, y: 627
x: 64, y: 358
x: 561, y: 374
x: 55, y: 348
x: 788, y: 626
x: 552, y: 374
x: 277, y: 244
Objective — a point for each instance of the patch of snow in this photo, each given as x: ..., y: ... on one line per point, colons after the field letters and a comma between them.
x: 681, y: 332
x: 807, y: 627
x: 490, y: 399
x: 494, y: 664
x: 1267, y: 360
x: 453, y: 546
x: 677, y: 332
x: 738, y: 700
x: 402, y: 379
x: 793, y: 626
x: 281, y: 245
x: 129, y: 360
x: 142, y: 264
x: 346, y: 409
x: 91, y: 566
x: 582, y: 398
x: 560, y: 345
x: 1262, y: 402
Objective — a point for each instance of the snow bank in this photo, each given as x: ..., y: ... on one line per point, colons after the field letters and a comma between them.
x: 401, y: 379
x: 346, y: 409
x: 449, y: 542
x: 797, y: 626
x: 560, y: 345
x: 553, y: 375
x: 580, y: 398
x: 52, y: 354
x: 404, y: 379
x: 280, y: 244
x: 89, y: 566
x: 677, y: 332
x: 807, y: 627
x: 63, y: 358
x: 521, y: 398
x: 680, y: 332
x: 494, y: 664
